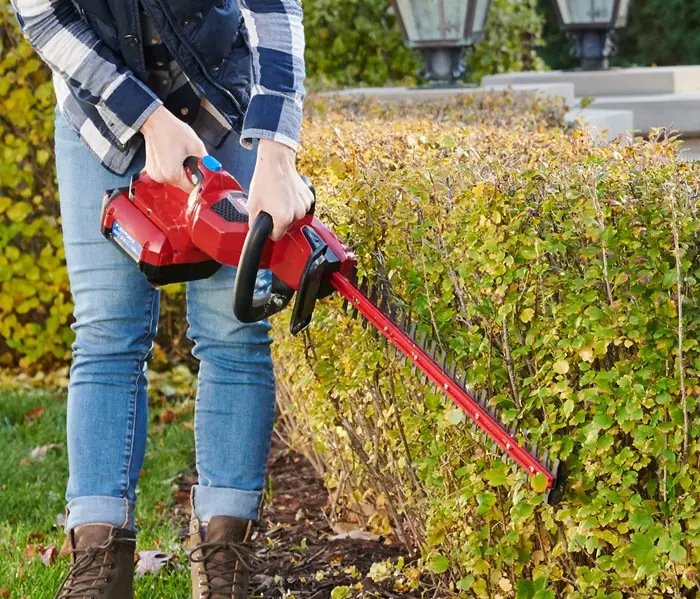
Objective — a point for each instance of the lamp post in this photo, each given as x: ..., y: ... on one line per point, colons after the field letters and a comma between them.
x: 442, y: 30
x: 591, y: 24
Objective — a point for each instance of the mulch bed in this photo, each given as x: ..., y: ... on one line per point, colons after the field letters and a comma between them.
x: 295, y: 543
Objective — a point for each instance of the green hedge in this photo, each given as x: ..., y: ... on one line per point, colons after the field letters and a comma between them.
x: 563, y: 277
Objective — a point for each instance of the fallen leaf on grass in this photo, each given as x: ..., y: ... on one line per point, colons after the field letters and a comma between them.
x: 33, y: 414
x: 39, y: 453
x: 49, y: 555
x: 153, y: 560
x: 356, y: 535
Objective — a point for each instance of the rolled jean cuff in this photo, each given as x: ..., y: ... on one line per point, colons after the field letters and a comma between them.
x: 100, y: 509
x: 208, y: 502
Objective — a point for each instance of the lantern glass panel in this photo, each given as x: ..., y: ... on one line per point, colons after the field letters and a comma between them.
x: 586, y: 12
x: 428, y: 20
x: 480, y: 14
x: 622, y: 13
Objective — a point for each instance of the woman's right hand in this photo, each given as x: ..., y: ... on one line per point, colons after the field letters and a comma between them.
x: 169, y: 141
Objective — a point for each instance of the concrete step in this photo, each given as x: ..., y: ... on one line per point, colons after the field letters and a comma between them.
x: 604, y: 124
x: 679, y: 111
x: 614, y: 82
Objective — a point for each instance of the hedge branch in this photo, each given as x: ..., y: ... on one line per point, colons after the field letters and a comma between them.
x: 679, y: 304
x: 509, y: 365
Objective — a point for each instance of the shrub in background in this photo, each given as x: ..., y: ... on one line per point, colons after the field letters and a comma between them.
x: 659, y: 32
x: 563, y: 277
x: 358, y: 42
x: 34, y: 300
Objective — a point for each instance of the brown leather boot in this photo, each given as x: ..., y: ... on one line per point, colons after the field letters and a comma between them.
x: 103, y: 563
x: 219, y: 561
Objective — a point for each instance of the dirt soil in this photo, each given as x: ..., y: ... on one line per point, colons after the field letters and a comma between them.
x: 296, y: 548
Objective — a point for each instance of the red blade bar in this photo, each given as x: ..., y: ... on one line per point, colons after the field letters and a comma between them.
x: 432, y: 370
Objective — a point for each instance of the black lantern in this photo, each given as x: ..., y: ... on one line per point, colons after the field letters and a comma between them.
x: 442, y: 30
x: 591, y: 24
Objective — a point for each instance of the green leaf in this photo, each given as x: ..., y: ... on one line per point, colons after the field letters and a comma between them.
x: 539, y: 483
x: 465, y: 583
x: 601, y: 421
x: 524, y: 589
x: 670, y: 278
x: 340, y: 592
x: 495, y: 476
x: 455, y: 416
x: 677, y: 553
x: 439, y: 564
x: 642, y: 549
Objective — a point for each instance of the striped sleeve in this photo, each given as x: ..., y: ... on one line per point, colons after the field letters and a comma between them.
x: 89, y: 68
x: 276, y: 38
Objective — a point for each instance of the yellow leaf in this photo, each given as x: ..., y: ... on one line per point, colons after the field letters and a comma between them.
x: 586, y: 354
x: 539, y: 483
x: 505, y: 584
x: 527, y: 315
x: 561, y: 367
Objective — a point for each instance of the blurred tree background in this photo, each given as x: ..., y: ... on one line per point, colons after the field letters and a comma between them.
x: 659, y: 32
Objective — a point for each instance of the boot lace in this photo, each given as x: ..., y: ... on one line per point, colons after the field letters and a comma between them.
x: 85, y: 580
x: 236, y: 560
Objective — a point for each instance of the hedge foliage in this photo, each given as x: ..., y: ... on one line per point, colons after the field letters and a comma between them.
x: 564, y: 278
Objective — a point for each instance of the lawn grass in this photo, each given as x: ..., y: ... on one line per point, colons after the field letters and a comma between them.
x: 32, y: 496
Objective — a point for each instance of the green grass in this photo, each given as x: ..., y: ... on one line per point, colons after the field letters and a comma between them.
x: 32, y: 496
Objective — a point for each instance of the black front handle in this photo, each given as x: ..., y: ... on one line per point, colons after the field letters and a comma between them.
x: 248, y: 307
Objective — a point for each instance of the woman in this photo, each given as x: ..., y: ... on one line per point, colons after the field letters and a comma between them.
x: 145, y: 85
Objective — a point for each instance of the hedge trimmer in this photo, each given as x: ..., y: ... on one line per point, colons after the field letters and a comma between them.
x: 176, y: 237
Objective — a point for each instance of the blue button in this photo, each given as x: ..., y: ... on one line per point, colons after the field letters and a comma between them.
x: 211, y: 163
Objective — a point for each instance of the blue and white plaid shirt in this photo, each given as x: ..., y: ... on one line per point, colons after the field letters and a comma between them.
x: 83, y: 65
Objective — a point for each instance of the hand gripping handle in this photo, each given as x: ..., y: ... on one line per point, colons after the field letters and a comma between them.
x: 247, y: 307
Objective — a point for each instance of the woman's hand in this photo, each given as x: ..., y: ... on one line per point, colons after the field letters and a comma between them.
x: 277, y: 188
x: 169, y: 141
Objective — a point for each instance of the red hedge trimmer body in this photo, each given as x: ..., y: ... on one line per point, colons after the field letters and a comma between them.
x: 176, y: 237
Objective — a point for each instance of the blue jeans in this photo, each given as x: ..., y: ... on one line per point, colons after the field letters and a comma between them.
x: 116, y: 316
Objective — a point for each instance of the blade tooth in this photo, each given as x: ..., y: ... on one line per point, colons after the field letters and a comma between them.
x: 421, y: 339
x: 374, y: 294
x: 443, y: 359
x: 533, y: 451
x: 364, y: 324
x: 353, y: 313
x: 345, y: 304
x: 431, y: 352
x: 525, y: 477
x: 404, y: 318
x: 452, y: 371
x: 474, y: 427
x: 363, y: 287
x: 484, y: 398
x: 514, y: 467
x: 513, y: 429
x: 545, y: 458
x: 463, y: 380
x: 394, y: 311
x: 412, y: 331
